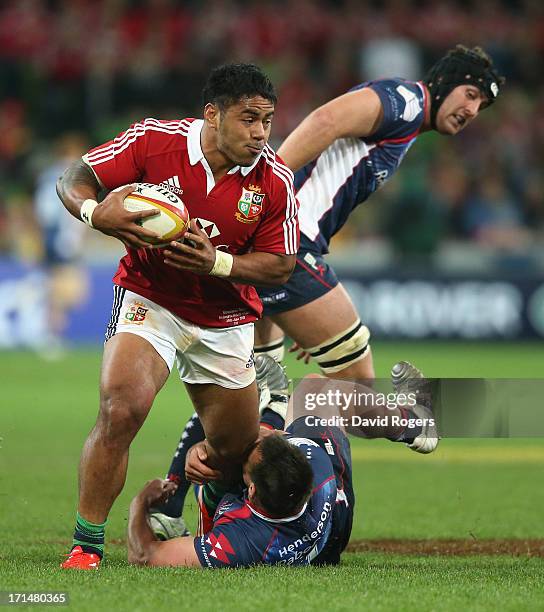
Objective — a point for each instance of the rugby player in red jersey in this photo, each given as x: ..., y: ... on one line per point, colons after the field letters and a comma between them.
x: 192, y: 303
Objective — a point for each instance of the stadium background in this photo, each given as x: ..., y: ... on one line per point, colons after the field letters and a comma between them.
x: 449, y: 250
x: 464, y: 215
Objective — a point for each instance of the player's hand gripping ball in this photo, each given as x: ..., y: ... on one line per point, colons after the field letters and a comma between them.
x: 172, y: 218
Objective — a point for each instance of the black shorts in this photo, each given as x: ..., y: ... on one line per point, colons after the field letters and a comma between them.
x: 336, y: 444
x: 311, y: 278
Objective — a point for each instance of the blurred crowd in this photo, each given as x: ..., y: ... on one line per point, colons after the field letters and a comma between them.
x: 75, y: 72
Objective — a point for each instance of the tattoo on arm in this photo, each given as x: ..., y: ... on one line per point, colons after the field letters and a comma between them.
x: 79, y: 174
x: 76, y: 185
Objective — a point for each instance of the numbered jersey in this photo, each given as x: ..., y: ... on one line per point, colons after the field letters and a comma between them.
x: 351, y: 169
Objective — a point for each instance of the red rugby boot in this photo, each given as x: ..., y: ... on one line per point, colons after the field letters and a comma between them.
x: 77, y: 559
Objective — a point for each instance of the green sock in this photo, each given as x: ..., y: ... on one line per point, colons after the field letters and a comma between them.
x: 90, y: 536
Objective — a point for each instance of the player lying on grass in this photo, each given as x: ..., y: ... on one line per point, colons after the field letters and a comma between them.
x: 295, y: 505
x: 296, y: 508
x: 341, y: 153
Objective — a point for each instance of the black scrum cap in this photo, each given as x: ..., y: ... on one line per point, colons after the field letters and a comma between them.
x: 462, y: 66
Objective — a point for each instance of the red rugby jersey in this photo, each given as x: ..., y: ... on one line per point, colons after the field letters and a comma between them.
x: 249, y: 209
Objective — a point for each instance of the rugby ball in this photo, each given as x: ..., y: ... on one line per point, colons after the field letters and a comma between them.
x: 172, y: 219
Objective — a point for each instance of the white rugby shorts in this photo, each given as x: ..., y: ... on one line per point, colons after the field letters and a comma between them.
x: 221, y: 356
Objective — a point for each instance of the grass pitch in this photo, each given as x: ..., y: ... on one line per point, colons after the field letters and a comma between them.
x: 469, y: 490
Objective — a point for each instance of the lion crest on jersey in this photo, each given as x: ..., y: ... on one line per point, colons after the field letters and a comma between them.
x: 250, y: 204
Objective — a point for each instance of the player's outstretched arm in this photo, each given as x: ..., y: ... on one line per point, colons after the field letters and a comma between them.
x: 354, y: 114
x: 78, y: 185
x: 197, y: 254
x: 143, y: 546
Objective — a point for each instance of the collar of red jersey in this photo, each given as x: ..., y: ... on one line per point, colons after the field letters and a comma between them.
x: 195, y: 150
x: 270, y: 519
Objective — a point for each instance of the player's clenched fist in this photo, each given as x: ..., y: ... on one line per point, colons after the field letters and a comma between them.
x: 157, y: 491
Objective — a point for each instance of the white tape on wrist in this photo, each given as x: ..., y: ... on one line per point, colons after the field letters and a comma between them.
x: 223, y: 264
x: 86, y: 211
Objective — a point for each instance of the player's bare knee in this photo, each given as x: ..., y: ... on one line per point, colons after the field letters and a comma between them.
x: 232, y: 450
x: 123, y: 409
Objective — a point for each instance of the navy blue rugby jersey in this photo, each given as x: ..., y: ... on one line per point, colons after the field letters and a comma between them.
x: 242, y: 536
x: 351, y: 169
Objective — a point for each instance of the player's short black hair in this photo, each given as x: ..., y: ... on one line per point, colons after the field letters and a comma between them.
x: 283, y: 477
x: 229, y: 83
